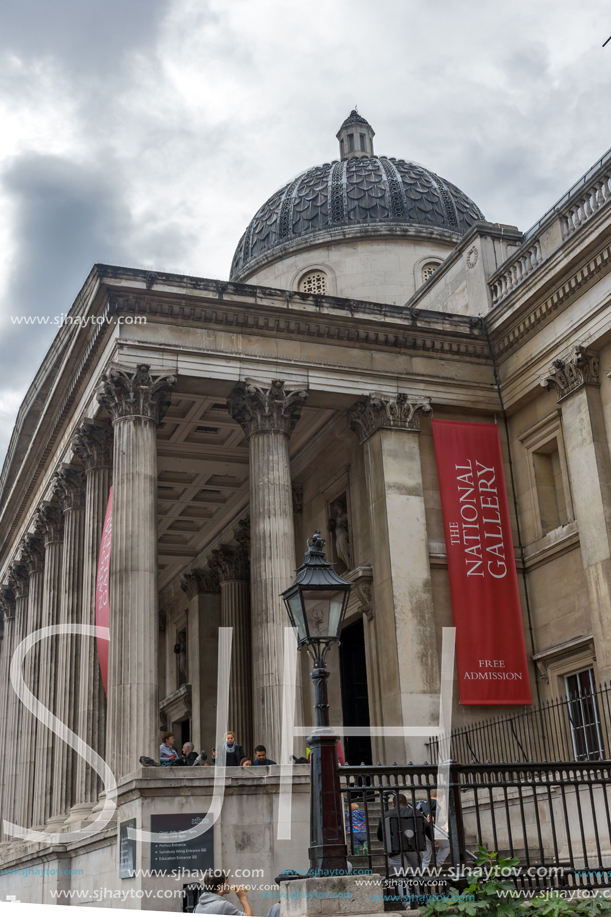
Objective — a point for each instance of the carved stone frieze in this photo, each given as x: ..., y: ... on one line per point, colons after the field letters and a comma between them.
x: 260, y: 408
x: 568, y: 376
x: 200, y: 581
x: 19, y: 579
x: 92, y: 443
x: 125, y: 393
x: 388, y: 412
x: 69, y: 488
x: 7, y: 602
x: 231, y: 562
x: 50, y: 521
x: 33, y: 553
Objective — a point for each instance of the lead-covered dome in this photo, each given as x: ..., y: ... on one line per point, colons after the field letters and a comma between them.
x: 359, y: 192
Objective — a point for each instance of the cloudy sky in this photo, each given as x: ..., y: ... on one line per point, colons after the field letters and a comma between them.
x: 147, y: 132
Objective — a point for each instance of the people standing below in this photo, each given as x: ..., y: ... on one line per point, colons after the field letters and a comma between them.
x: 261, y: 758
x: 404, y: 835
x: 355, y: 825
x: 441, y: 839
x: 233, y: 752
x: 167, y: 752
x: 211, y: 900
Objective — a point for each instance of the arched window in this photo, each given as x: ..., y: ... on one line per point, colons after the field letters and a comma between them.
x: 314, y: 282
x: 428, y: 270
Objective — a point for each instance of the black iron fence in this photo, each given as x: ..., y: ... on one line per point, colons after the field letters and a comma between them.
x: 555, y: 818
x: 572, y: 728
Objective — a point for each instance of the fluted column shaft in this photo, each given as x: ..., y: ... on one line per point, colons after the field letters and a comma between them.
x: 8, y: 611
x: 135, y: 401
x: 15, y: 709
x: 268, y: 414
x: 29, y: 724
x: 93, y: 445
x: 71, y: 491
x: 235, y: 613
x: 45, y: 739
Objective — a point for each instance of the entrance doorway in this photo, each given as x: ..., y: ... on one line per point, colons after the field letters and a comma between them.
x: 355, y: 698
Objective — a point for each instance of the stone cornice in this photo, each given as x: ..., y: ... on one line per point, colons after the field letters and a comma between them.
x: 533, y: 316
x: 385, y: 412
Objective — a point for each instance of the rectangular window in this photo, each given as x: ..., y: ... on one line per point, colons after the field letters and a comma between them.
x: 351, y: 142
x: 550, y: 488
x: 362, y: 139
x: 584, y: 716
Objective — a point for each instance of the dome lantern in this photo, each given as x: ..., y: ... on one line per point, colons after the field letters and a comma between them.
x: 355, y: 137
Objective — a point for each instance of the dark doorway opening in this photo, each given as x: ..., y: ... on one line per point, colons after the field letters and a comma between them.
x: 185, y: 732
x: 355, y: 698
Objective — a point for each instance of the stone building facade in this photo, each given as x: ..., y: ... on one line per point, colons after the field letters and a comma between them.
x: 234, y: 418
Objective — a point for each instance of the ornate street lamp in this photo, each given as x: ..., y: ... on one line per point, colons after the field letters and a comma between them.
x: 316, y: 603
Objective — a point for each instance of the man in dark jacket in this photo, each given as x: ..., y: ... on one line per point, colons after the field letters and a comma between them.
x: 188, y: 757
x: 261, y: 758
x: 404, y: 833
x: 233, y: 752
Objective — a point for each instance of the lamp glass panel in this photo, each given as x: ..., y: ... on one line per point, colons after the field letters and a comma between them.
x: 296, y: 608
x: 323, y: 611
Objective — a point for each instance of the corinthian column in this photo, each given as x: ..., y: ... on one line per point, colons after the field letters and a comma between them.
x: 136, y: 402
x: 50, y: 522
x: 19, y: 582
x: 33, y: 556
x: 388, y: 428
x: 7, y: 606
x: 268, y: 414
x: 70, y: 491
x: 93, y: 445
x: 231, y: 563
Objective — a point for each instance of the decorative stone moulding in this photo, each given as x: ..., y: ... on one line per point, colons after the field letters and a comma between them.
x: 568, y: 376
x: 231, y: 563
x: 69, y: 488
x: 199, y: 582
x: 125, y: 393
x: 33, y: 553
x: 261, y: 408
x: 7, y: 602
x: 50, y: 521
x: 92, y: 444
x: 387, y: 412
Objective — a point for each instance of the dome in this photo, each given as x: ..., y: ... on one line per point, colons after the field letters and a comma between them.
x: 358, y: 195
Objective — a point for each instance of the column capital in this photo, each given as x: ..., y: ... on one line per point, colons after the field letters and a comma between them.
x: 387, y: 412
x: 7, y: 602
x: 567, y: 376
x: 262, y: 408
x: 200, y: 582
x: 92, y: 443
x: 33, y: 553
x: 69, y: 488
x: 126, y: 393
x: 231, y: 562
x: 50, y: 521
x: 19, y: 579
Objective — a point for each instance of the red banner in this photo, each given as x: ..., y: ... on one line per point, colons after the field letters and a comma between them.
x: 102, y: 604
x: 490, y: 651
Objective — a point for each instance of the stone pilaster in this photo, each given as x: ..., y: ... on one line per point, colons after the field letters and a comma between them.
x: 50, y: 522
x: 7, y: 607
x: 268, y: 413
x: 136, y: 402
x: 231, y: 563
x: 70, y: 491
x: 388, y: 427
x: 203, y: 590
x: 576, y: 383
x: 92, y: 443
x: 33, y: 554
x: 19, y: 582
